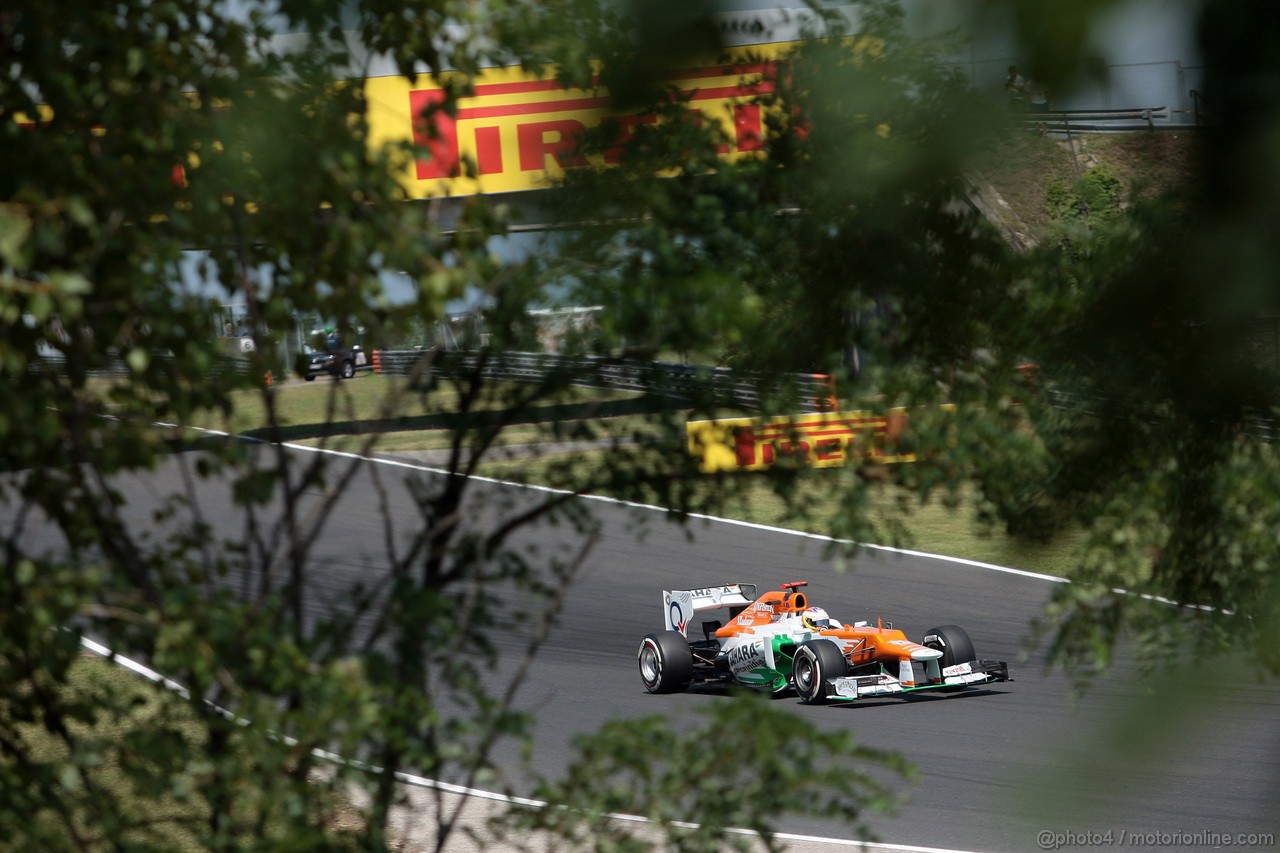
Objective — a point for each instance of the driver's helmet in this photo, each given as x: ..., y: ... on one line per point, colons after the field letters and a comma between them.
x: 815, y: 619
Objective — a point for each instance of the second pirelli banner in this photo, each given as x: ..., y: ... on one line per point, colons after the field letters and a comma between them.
x: 823, y: 440
x: 519, y: 130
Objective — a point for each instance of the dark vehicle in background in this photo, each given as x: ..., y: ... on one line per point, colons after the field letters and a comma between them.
x: 336, y: 358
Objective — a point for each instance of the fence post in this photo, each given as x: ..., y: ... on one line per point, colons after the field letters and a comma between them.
x: 827, y: 402
x: 377, y: 361
x: 1180, y: 76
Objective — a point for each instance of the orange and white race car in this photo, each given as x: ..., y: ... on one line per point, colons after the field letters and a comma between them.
x: 779, y: 640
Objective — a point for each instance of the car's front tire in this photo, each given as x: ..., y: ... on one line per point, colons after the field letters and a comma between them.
x: 815, y: 662
x: 956, y: 647
x: 666, y: 662
x: 953, y: 642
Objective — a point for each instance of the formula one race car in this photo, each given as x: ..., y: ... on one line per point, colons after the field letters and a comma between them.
x: 778, y: 641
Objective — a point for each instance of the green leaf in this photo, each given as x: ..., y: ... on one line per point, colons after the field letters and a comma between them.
x: 15, y: 231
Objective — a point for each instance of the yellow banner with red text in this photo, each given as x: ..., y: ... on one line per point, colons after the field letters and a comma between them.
x: 821, y: 440
x: 518, y: 131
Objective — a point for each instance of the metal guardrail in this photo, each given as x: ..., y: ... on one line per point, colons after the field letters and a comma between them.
x: 674, y: 381
x: 683, y: 382
x: 1096, y: 121
x: 115, y: 367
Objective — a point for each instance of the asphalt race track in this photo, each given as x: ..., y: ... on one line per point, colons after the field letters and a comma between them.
x: 996, y: 766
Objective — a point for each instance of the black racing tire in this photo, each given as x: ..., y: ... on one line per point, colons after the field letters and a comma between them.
x: 348, y: 370
x: 953, y: 642
x: 815, y: 662
x: 310, y: 377
x: 666, y: 662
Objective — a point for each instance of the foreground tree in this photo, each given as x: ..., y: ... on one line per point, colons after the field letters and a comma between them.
x: 142, y: 131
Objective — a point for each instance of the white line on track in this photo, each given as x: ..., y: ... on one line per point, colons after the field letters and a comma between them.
x: 419, y: 781
x: 423, y: 782
x: 818, y: 537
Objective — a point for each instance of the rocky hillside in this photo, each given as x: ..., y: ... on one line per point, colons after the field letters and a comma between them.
x: 1023, y: 180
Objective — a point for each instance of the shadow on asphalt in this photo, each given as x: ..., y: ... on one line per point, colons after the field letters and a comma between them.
x: 445, y: 420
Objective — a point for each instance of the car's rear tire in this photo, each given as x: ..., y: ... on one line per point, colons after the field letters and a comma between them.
x: 348, y: 370
x: 953, y: 642
x: 310, y: 377
x: 666, y: 662
x: 815, y: 662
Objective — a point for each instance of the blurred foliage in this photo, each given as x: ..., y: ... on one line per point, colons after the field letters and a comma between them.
x: 702, y: 786
x: 1158, y: 436
x: 135, y: 132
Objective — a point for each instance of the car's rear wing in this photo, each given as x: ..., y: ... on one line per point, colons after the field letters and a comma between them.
x: 679, y: 605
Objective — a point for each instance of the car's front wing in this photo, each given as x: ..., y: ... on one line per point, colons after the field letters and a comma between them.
x: 851, y: 687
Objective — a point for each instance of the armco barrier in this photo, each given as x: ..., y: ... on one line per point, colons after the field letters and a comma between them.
x: 57, y: 364
x: 683, y: 382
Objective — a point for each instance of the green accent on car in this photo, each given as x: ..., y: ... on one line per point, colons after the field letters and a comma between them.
x: 773, y: 678
x: 784, y: 652
x: 763, y: 678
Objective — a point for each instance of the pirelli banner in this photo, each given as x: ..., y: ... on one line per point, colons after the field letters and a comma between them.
x: 519, y: 130
x: 822, y: 440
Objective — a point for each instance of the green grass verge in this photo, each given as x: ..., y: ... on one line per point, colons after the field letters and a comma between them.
x: 133, y: 777
x: 307, y: 411
x: 932, y: 527
x: 895, y: 518
x: 162, y: 819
